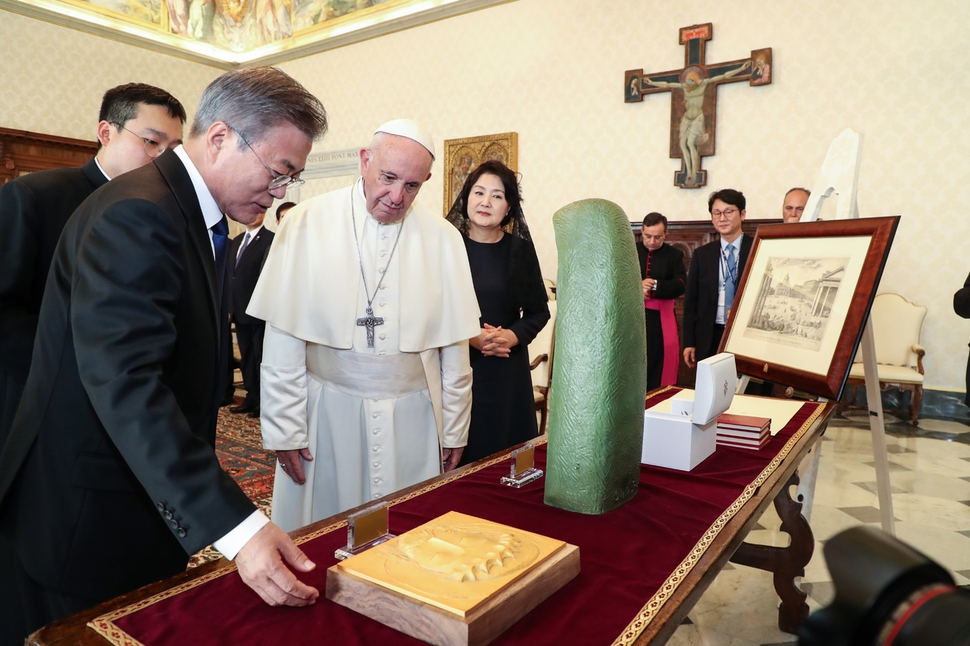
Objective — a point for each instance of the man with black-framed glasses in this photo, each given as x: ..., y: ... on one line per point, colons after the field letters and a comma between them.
x: 137, y: 123
x: 713, y: 277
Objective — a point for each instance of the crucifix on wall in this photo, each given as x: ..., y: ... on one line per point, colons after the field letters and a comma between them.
x: 693, y: 95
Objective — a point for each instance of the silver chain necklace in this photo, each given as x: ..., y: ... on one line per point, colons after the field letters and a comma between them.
x: 370, y: 321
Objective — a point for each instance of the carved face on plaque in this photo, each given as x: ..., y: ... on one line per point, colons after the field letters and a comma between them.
x: 467, y: 552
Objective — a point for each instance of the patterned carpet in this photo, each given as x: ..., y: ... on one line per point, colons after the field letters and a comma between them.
x: 240, y: 450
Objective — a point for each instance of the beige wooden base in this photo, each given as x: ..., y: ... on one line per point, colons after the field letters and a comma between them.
x: 436, y: 626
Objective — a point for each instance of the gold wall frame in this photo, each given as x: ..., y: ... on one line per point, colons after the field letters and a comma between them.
x: 463, y: 155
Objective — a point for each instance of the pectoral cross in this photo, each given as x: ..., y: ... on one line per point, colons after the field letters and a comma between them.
x: 370, y: 322
x: 693, y: 94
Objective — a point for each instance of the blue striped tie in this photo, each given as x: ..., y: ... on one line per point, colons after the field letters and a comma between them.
x: 730, y: 281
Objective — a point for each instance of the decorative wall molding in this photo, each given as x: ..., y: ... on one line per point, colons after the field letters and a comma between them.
x: 333, y: 163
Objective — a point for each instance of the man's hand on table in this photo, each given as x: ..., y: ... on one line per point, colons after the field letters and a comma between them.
x: 262, y: 565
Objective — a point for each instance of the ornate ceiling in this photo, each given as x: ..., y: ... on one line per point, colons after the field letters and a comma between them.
x: 233, y: 33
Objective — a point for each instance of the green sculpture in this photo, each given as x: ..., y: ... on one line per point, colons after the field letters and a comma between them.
x: 599, y: 374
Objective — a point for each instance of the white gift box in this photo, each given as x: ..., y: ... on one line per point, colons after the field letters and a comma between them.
x: 687, y: 435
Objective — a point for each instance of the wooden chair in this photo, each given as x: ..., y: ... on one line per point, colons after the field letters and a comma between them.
x: 540, y: 355
x: 896, y: 326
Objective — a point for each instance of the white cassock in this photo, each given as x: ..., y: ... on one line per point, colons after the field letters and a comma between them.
x: 374, y: 418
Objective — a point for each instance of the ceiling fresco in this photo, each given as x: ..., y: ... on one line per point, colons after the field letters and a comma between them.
x: 231, y: 33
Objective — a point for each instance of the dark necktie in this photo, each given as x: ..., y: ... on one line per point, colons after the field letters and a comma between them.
x: 242, y: 248
x: 220, y: 239
x: 730, y: 280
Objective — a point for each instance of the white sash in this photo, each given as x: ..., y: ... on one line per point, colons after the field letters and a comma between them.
x: 368, y: 376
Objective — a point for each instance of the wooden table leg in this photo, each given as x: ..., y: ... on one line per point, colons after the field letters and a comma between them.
x: 785, y: 563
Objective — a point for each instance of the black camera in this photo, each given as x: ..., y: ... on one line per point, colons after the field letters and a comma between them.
x: 887, y: 594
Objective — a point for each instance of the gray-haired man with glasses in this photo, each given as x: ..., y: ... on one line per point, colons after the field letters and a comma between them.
x: 108, y: 479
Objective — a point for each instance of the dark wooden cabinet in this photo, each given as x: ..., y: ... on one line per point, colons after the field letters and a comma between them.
x: 23, y: 152
x: 687, y: 236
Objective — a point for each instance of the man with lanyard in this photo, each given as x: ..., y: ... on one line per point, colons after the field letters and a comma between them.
x: 712, y: 280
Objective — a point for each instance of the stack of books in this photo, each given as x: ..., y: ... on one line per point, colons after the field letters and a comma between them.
x: 743, y: 431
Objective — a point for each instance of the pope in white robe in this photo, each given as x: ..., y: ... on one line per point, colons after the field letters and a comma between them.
x: 369, y: 305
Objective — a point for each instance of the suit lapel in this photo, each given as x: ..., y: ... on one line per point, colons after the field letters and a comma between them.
x: 249, y: 247
x: 713, y: 272
x: 94, y: 174
x: 172, y: 169
x: 254, y: 250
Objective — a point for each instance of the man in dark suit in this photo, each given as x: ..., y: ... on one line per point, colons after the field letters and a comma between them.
x: 247, y: 252
x: 109, y: 480
x: 712, y: 280
x: 137, y: 123
x: 664, y: 278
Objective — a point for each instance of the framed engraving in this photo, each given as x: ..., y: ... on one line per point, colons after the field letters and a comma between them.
x: 463, y: 155
x: 804, y: 298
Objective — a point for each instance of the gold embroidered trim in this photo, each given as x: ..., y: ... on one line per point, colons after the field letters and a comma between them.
x: 657, y: 601
x: 105, y: 626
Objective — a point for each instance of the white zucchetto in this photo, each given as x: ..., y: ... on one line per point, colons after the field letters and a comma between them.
x: 409, y: 129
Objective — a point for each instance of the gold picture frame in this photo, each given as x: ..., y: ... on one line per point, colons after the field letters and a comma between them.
x: 463, y: 155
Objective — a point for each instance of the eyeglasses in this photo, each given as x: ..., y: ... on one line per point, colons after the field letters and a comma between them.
x: 279, y: 179
x: 152, y: 148
x: 726, y: 213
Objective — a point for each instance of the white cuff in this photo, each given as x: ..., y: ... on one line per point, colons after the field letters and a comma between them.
x: 230, y: 544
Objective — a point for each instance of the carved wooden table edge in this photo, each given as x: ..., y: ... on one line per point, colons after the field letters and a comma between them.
x: 727, y: 544
x: 788, y: 563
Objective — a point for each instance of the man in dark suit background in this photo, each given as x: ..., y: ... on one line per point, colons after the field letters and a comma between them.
x: 109, y: 480
x: 137, y: 123
x: 247, y: 252
x: 712, y: 280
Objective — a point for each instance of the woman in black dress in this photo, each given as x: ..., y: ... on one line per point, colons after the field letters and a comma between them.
x: 512, y: 298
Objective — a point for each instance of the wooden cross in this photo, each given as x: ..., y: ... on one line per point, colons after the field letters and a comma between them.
x: 370, y: 321
x: 693, y: 98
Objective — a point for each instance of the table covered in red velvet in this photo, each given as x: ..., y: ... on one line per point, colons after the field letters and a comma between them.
x: 632, y: 558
